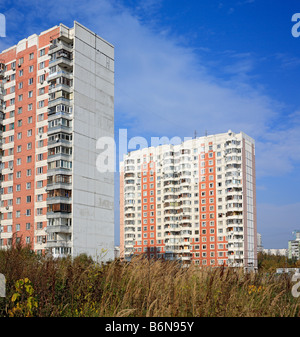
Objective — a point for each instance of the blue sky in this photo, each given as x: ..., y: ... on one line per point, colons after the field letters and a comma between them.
x: 202, y: 65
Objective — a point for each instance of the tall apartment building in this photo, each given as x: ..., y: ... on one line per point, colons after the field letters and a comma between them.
x: 194, y: 202
x: 294, y: 246
x: 57, y: 99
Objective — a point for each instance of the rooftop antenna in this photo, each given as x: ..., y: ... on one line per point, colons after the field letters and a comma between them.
x: 195, y: 134
x: 205, y: 133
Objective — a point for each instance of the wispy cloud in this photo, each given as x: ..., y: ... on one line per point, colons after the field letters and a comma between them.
x: 164, y: 88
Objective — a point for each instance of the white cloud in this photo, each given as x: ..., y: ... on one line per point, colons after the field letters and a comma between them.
x: 278, y: 151
x: 163, y: 88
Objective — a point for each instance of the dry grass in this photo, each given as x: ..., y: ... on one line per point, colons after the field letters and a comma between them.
x: 142, y: 288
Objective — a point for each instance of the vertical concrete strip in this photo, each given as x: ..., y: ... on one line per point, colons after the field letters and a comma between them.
x: 254, y: 205
x: 2, y: 285
x: 245, y: 204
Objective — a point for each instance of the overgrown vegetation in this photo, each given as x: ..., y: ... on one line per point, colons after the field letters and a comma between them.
x: 43, y: 286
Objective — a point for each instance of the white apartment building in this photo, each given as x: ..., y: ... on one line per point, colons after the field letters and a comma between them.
x: 194, y: 202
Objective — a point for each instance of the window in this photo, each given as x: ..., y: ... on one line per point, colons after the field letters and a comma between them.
x: 31, y: 56
x: 39, y: 225
x: 42, y: 78
x: 39, y: 184
x: 30, y: 107
x: 30, y: 81
x: 30, y: 94
x: 30, y: 69
x: 42, y: 52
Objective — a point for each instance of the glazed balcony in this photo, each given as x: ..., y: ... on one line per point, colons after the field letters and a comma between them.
x: 59, y: 208
x: 60, y: 73
x: 59, y: 229
x: 59, y: 196
x: 58, y: 243
x: 2, y: 69
x: 63, y: 59
x: 129, y: 229
x: 60, y: 45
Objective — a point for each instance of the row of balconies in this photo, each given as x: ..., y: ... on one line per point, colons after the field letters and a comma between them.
x: 60, y: 103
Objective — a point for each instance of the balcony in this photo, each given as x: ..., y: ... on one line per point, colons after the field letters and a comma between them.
x: 130, y: 215
x: 129, y: 229
x: 58, y: 243
x: 2, y: 68
x: 68, y: 75
x: 64, y: 61
x: 60, y: 100
x: 60, y: 45
x: 59, y: 128
x: 185, y: 196
x: 63, y: 35
x: 59, y: 208
x: 59, y: 229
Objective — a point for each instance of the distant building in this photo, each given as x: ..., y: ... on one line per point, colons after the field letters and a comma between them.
x: 259, y: 243
x: 294, y: 246
x: 288, y: 271
x: 117, y: 252
x: 281, y: 252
